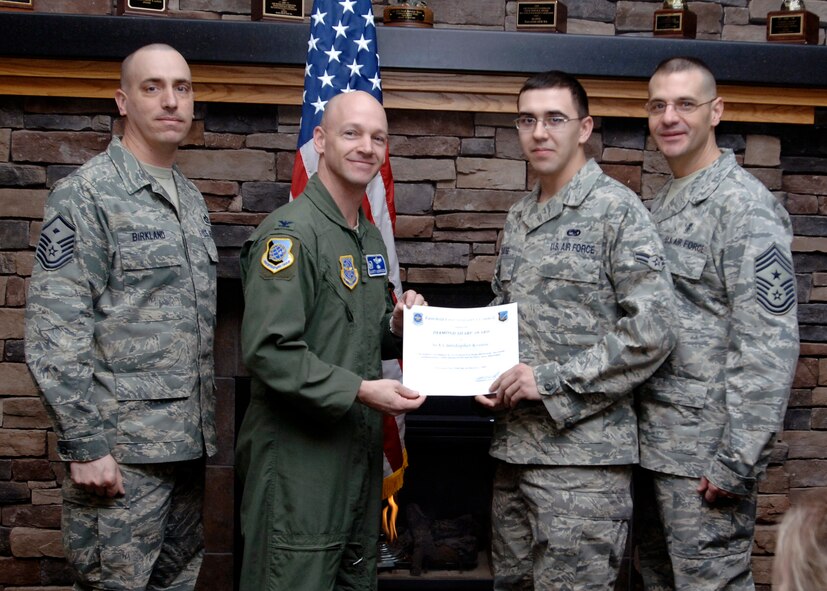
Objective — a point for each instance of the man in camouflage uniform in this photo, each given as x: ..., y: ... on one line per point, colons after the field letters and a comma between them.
x: 583, y: 261
x: 119, y: 335
x: 709, y: 416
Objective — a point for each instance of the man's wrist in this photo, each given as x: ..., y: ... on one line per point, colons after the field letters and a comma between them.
x: 391, y: 328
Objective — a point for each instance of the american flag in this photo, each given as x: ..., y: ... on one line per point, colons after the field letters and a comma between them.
x: 342, y: 56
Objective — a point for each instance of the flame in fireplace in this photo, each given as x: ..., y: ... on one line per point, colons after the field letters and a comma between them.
x: 389, y: 524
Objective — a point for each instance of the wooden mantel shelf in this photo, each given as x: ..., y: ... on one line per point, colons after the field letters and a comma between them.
x: 436, y: 69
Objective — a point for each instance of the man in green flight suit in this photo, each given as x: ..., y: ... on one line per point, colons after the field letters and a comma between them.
x: 318, y: 320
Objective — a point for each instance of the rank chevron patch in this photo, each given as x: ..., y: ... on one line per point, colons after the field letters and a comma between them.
x: 774, y: 281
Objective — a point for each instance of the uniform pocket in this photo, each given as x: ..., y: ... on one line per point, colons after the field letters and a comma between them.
x: 685, y: 263
x: 670, y: 413
x: 154, y: 407
x: 150, y: 257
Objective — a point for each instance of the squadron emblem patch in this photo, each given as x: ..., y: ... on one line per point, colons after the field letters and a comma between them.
x: 348, y: 272
x: 278, y: 255
x: 56, y: 246
x: 376, y: 265
x: 774, y: 281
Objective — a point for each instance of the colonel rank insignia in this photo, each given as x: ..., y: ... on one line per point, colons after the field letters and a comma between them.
x: 350, y: 276
x: 774, y: 281
x: 278, y: 255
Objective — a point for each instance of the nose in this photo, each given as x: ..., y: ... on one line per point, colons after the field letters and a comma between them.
x: 539, y: 130
x: 168, y: 99
x: 366, y: 143
x: 670, y: 114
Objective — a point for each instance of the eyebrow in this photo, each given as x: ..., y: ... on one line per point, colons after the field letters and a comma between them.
x: 157, y: 80
x: 545, y: 114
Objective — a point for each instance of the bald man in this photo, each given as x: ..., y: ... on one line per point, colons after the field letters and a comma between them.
x: 119, y: 335
x: 318, y: 320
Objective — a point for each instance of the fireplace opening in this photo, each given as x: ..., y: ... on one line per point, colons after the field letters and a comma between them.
x: 446, y: 497
x: 443, y: 520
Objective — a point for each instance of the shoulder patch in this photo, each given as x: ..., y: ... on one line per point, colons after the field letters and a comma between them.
x: 774, y: 281
x: 56, y: 246
x: 348, y: 271
x: 377, y: 267
x: 653, y: 261
x: 278, y: 254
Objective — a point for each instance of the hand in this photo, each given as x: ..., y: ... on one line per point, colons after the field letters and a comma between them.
x: 408, y: 299
x: 711, y: 493
x: 102, y: 476
x: 389, y: 396
x: 513, y: 385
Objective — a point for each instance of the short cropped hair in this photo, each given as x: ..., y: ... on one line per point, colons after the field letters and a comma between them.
x: 677, y: 64
x: 558, y: 79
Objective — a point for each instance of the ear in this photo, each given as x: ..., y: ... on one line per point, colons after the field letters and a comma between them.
x: 586, y: 127
x: 717, y: 111
x: 318, y: 139
x: 120, y: 100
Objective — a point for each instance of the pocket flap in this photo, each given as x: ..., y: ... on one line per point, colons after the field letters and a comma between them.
x: 677, y: 390
x: 154, y: 385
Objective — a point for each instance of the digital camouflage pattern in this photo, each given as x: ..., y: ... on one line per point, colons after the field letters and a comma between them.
x: 559, y: 527
x: 150, y: 538
x: 715, y: 405
x: 710, y: 545
x: 120, y: 315
x: 596, y: 308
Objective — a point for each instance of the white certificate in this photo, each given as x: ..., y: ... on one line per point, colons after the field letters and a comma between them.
x: 458, y: 351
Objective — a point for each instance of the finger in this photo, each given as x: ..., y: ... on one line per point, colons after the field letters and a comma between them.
x: 407, y: 392
x: 119, y: 489
x: 487, y: 401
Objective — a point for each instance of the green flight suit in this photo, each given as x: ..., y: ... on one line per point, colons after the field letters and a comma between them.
x: 316, y: 320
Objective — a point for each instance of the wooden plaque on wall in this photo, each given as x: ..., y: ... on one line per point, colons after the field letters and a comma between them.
x: 145, y: 7
x: 16, y: 4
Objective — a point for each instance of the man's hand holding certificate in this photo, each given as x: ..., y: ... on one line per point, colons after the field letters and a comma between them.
x: 458, y: 351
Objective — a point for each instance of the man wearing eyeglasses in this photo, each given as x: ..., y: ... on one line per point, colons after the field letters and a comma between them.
x: 583, y: 260
x: 709, y: 416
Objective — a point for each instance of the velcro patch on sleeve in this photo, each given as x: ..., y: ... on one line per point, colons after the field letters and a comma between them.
x: 653, y: 261
x: 278, y: 254
x: 775, y: 281
x: 56, y: 246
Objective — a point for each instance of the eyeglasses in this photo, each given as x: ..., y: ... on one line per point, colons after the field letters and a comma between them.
x: 550, y: 123
x: 683, y: 106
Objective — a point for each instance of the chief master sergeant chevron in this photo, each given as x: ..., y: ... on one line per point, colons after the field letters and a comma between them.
x: 709, y: 416
x: 119, y: 336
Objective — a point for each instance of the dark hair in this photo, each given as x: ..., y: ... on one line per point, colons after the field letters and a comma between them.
x: 558, y: 79
x: 673, y: 65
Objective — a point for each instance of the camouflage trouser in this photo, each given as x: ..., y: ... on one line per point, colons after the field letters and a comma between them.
x: 559, y: 528
x: 149, y: 539
x: 709, y: 545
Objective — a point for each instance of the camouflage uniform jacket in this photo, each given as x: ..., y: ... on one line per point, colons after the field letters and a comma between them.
x: 121, y: 313
x: 595, y: 305
x: 714, y: 406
